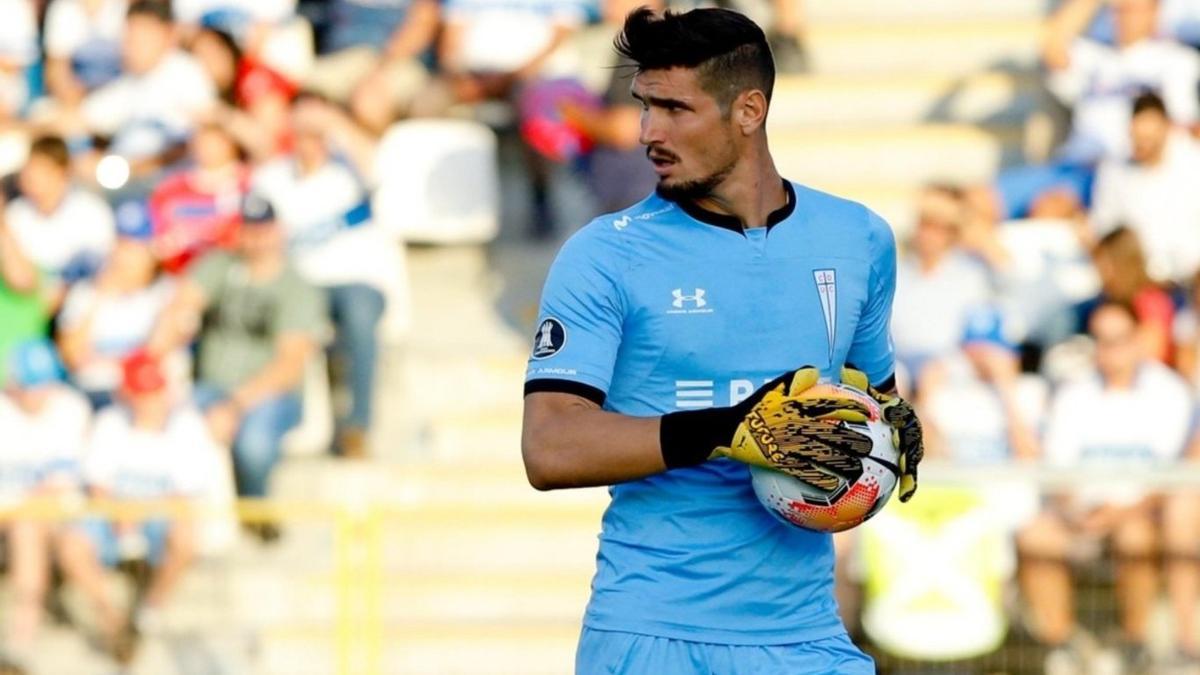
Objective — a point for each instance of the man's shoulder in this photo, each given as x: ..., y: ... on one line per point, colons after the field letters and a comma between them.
x: 615, y: 235
x: 1157, y: 379
x: 855, y: 222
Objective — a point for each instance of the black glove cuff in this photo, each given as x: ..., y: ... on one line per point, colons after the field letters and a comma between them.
x: 688, y: 437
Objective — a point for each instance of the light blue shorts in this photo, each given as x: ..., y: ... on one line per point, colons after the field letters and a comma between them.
x: 613, y: 653
x: 103, y: 535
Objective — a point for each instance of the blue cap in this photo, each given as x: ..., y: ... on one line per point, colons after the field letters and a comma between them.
x: 985, y: 325
x: 257, y: 209
x: 34, y: 363
x: 133, y: 220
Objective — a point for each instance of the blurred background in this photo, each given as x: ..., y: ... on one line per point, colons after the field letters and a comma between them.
x: 268, y: 277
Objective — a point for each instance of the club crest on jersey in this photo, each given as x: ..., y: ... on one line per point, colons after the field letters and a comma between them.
x: 827, y: 293
x: 549, y: 339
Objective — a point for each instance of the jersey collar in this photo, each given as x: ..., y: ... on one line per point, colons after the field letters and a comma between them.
x: 732, y: 223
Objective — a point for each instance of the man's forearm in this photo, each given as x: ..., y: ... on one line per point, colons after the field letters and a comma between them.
x: 587, y: 446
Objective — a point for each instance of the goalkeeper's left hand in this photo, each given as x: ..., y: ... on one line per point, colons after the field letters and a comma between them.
x: 906, y: 428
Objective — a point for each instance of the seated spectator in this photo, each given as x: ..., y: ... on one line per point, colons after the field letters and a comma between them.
x: 149, y: 110
x: 105, y: 319
x: 1100, y: 421
x: 197, y: 209
x: 44, y: 424
x: 83, y: 47
x: 937, y: 284
x: 972, y: 402
x: 1121, y: 266
x: 254, y: 99
x: 1186, y: 333
x: 258, y: 323
x: 619, y: 173
x: 64, y: 230
x: 18, y: 51
x: 148, y: 448
x: 1098, y: 83
x: 326, y: 213
x: 374, y: 57
x: 1153, y: 192
x: 24, y: 309
x: 489, y: 47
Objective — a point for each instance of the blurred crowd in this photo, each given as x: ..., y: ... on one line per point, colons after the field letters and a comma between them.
x: 187, y: 225
x: 1049, y: 319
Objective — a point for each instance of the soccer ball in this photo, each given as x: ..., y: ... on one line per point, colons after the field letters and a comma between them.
x: 854, y: 499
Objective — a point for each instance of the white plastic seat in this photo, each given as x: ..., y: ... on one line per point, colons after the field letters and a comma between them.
x: 438, y: 182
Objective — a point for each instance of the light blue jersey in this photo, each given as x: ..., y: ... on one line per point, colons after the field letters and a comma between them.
x: 666, y: 307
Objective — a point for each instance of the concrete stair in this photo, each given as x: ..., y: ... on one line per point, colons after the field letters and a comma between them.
x: 944, y: 47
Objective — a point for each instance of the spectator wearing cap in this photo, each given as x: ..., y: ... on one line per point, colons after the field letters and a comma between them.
x: 374, y: 56
x: 257, y: 323
x: 107, y: 318
x: 1152, y: 192
x: 325, y: 211
x: 197, y: 209
x: 150, y: 109
x: 44, y: 424
x: 64, y: 230
x: 938, y: 283
x: 149, y: 447
x: 83, y: 47
x: 1130, y: 412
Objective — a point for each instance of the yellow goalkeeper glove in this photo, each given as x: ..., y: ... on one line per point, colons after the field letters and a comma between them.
x: 906, y: 428
x: 776, y: 427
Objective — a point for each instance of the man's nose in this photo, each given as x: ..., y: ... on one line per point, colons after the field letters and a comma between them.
x: 651, y: 131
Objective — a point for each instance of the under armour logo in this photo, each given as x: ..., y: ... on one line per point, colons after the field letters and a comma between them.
x: 696, y: 298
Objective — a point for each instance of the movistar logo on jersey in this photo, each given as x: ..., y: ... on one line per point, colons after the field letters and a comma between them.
x: 709, y: 393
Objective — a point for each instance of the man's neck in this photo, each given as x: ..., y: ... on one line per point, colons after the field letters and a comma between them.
x: 752, y: 192
x: 264, y: 267
x: 49, y: 204
x: 1120, y: 381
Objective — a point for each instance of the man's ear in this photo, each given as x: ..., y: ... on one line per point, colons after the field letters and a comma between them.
x: 750, y: 111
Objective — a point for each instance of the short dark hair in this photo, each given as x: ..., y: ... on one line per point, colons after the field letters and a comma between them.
x: 155, y: 9
x: 52, y: 148
x: 728, y: 50
x: 1149, y: 100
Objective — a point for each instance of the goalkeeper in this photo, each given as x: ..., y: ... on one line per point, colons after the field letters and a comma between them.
x: 672, y: 334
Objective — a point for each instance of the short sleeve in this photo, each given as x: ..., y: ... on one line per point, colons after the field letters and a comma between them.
x: 872, y: 350
x: 79, y: 301
x: 1070, y: 84
x: 303, y: 307
x: 580, y: 321
x: 209, y: 273
x: 65, y: 29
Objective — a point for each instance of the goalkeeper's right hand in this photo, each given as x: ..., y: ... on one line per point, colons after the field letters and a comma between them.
x: 776, y: 427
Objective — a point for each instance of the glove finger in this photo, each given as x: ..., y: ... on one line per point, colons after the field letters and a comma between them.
x: 855, y: 378
x: 820, y: 406
x: 802, y: 380
x: 852, y: 416
x: 908, y: 487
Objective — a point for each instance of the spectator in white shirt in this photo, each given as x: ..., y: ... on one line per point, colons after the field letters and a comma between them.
x: 148, y: 449
x: 1098, y: 82
x: 63, y: 230
x: 149, y: 110
x: 325, y: 211
x: 44, y: 424
x: 83, y: 46
x: 18, y: 51
x: 1130, y: 413
x: 937, y: 285
x: 1153, y: 192
x: 105, y: 319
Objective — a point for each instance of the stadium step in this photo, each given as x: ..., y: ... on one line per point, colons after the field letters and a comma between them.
x: 951, y: 47
x: 891, y: 99
x: 889, y: 11
x: 903, y: 155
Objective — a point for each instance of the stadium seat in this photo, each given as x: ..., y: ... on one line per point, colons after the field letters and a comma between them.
x: 438, y: 182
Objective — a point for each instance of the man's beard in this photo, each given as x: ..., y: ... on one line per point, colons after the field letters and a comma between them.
x: 692, y: 190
